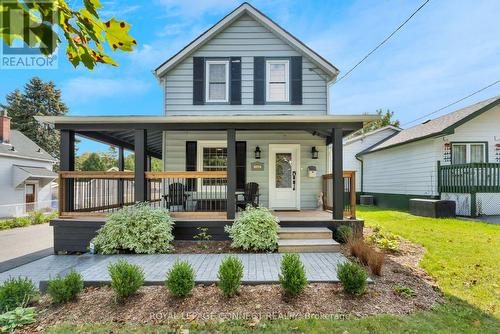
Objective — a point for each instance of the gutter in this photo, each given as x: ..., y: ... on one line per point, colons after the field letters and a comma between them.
x: 362, y: 172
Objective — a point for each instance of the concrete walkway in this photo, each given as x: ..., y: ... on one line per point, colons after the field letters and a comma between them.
x: 22, y: 241
x: 259, y: 268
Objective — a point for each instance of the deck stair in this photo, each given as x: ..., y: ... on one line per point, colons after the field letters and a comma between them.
x: 306, y: 240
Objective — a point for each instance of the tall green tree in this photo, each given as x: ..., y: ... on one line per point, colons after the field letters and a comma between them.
x: 386, y: 118
x: 45, y: 24
x: 93, y: 162
x: 38, y: 99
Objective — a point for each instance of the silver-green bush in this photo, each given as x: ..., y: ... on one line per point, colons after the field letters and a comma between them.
x: 255, y: 229
x: 137, y: 229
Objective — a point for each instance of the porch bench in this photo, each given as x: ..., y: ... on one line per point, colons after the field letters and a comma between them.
x: 435, y: 208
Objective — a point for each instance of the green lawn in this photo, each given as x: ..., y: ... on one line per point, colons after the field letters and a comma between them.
x: 462, y: 256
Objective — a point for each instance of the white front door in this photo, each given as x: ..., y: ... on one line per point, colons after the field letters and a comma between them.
x: 284, y: 176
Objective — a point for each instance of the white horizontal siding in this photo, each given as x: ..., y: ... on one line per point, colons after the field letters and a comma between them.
x: 408, y: 169
x: 245, y: 38
x: 12, y: 199
x: 351, y: 149
x: 484, y: 128
x: 175, y: 150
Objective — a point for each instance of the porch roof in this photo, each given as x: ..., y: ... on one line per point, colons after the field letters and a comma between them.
x: 119, y: 130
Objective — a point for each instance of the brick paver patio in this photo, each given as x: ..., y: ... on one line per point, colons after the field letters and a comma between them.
x: 259, y: 268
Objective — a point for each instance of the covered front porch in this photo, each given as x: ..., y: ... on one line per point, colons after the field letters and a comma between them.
x: 210, y: 193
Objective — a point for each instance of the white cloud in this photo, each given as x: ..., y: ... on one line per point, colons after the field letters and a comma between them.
x: 84, y: 89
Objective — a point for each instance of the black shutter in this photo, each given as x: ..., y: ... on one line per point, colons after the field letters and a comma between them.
x: 198, y: 80
x: 296, y: 90
x: 259, y: 80
x: 241, y: 165
x: 235, y: 80
x: 191, y: 163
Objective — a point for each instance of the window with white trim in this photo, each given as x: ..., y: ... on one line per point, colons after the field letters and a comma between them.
x: 277, y: 80
x: 217, y: 80
x: 212, y: 157
x: 464, y: 153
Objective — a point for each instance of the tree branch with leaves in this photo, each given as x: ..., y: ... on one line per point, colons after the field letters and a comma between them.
x: 44, y: 24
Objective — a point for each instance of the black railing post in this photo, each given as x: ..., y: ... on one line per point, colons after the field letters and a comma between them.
x: 121, y: 168
x: 337, y: 175
x: 67, y: 163
x: 231, y: 174
x: 140, y: 165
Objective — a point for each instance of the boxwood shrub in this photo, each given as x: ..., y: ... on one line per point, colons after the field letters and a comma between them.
x: 352, y: 276
x: 255, y: 229
x: 137, y: 229
x: 16, y: 292
x: 65, y: 289
x: 293, y: 278
x: 126, y: 278
x: 180, y: 279
x: 230, y: 275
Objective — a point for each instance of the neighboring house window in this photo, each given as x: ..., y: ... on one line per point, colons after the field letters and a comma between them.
x: 212, y: 157
x: 463, y: 153
x: 217, y: 81
x: 277, y: 81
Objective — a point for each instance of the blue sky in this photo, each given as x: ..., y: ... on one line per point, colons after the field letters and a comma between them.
x: 448, y: 50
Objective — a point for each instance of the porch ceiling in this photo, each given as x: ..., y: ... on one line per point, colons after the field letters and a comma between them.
x: 119, y: 130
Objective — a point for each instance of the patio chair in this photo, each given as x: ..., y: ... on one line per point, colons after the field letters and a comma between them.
x: 250, y: 196
x: 176, y: 196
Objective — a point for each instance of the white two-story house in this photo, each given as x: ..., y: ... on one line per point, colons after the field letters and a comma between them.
x: 246, y: 122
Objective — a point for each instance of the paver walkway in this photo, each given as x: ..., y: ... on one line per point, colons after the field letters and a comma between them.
x: 259, y: 268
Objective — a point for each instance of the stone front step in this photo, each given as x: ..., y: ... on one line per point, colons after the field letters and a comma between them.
x: 307, y: 245
x: 304, y: 233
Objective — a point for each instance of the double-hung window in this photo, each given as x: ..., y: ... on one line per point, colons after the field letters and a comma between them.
x: 463, y: 153
x: 217, y: 81
x: 277, y: 80
x: 212, y: 157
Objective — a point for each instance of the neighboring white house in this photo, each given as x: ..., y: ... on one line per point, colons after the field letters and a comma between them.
x: 359, y: 143
x: 404, y: 164
x: 25, y: 173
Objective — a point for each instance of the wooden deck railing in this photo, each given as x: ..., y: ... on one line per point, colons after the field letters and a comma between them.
x: 99, y: 193
x: 94, y: 193
x: 187, y: 193
x: 349, y: 193
x: 469, y: 178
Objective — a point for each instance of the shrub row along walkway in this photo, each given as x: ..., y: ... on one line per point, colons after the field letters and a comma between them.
x: 259, y: 268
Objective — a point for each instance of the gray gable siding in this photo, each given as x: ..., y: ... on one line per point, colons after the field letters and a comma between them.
x: 245, y: 38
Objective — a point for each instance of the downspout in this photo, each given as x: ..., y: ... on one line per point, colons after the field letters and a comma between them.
x: 362, y: 174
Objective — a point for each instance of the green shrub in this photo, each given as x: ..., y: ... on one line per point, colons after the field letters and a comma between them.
x: 138, y: 229
x: 230, y: 275
x: 405, y: 291
x: 255, y: 229
x: 293, y: 278
x: 62, y: 290
x: 17, y: 318
x: 180, y: 279
x: 352, y: 276
x: 343, y: 233
x: 16, y: 292
x: 384, y: 240
x: 126, y: 278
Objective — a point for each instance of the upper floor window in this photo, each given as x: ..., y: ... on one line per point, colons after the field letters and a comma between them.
x: 217, y: 81
x: 463, y: 153
x: 277, y: 80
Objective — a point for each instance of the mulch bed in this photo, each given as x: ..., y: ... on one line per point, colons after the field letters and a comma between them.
x: 153, y: 304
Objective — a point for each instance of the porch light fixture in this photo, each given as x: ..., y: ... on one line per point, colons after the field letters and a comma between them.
x: 314, y: 152
x: 257, y: 152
